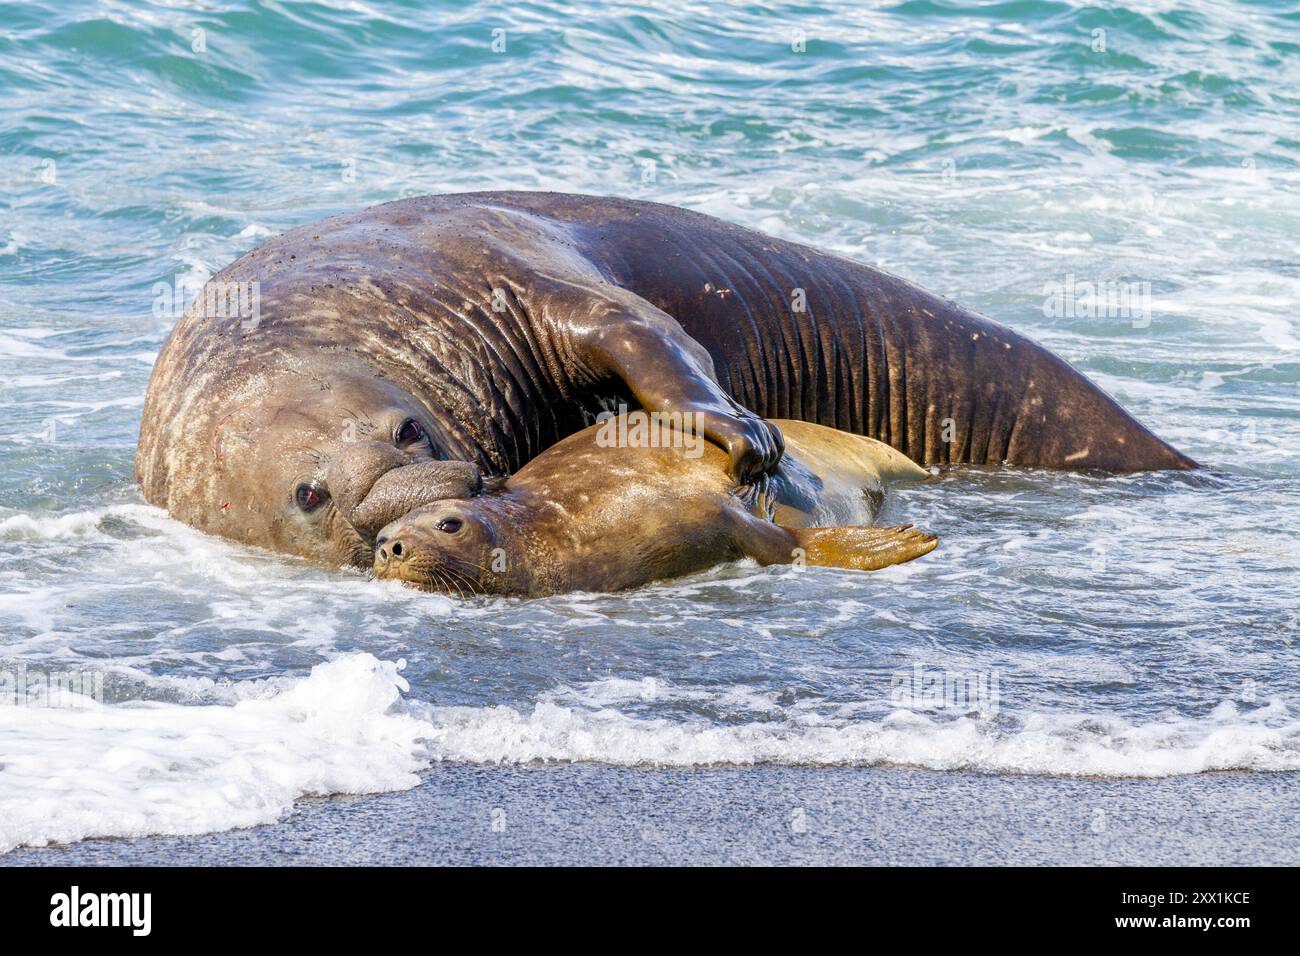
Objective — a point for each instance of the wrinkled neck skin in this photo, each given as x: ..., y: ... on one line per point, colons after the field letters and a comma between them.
x: 232, y: 459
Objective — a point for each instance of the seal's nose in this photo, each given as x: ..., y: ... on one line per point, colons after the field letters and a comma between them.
x: 389, y: 551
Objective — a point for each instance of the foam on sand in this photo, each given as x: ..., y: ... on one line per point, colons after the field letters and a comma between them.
x: 140, y: 768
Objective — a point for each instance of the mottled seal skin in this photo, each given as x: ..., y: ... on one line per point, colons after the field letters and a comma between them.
x: 499, y: 323
x: 587, y: 517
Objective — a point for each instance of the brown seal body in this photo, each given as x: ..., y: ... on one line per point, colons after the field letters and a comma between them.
x: 485, y: 327
x: 586, y: 515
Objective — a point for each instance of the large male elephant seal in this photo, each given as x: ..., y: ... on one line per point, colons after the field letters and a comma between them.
x: 654, y: 511
x: 485, y: 327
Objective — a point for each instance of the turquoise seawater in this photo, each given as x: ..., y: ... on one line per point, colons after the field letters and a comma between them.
x: 996, y: 153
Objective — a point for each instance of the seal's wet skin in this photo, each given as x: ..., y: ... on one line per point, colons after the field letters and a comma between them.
x: 585, y: 516
x: 485, y: 327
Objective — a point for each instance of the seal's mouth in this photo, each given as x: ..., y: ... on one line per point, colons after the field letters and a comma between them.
x: 391, y: 564
x: 422, y: 568
x: 436, y: 548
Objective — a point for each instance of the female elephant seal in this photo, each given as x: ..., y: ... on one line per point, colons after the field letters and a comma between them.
x: 585, y: 516
x: 485, y: 327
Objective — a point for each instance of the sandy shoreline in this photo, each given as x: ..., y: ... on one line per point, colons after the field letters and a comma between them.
x: 464, y: 814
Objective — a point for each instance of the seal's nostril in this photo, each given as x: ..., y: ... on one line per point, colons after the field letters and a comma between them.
x: 397, y: 549
x: 383, y: 555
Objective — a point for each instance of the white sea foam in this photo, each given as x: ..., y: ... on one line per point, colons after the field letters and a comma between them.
x: 79, y: 524
x: 152, y: 768
x: 1265, y: 739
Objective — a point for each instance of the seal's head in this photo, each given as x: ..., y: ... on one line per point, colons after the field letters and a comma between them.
x: 300, y: 460
x: 458, y: 547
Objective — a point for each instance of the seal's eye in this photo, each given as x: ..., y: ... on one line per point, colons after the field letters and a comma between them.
x: 450, y: 525
x: 308, y: 497
x: 409, y: 431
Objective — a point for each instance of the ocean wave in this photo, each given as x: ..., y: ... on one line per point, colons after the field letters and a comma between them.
x: 1265, y: 739
x: 92, y: 524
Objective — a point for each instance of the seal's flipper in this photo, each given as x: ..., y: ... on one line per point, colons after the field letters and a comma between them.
x: 861, y: 548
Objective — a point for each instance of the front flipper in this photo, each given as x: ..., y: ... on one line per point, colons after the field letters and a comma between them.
x: 667, y: 371
x: 861, y: 548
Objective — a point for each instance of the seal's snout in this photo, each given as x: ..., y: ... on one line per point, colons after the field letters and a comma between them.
x: 390, y: 552
x: 439, y: 547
